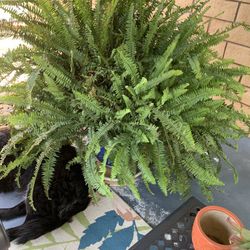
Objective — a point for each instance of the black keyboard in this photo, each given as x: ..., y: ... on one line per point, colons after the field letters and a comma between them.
x: 174, y: 232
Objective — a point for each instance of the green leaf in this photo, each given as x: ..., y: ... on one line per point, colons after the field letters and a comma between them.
x: 121, y: 113
x: 30, y: 84
x: 195, y: 65
x: 156, y: 81
x: 163, y: 63
x: 127, y: 101
x: 89, y: 102
x: 245, y: 234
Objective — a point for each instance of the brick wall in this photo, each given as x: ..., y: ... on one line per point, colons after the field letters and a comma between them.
x: 237, y: 45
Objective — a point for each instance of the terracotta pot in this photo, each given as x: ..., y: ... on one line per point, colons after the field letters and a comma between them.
x: 211, y: 230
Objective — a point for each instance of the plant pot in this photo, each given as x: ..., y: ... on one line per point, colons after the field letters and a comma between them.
x: 114, y: 182
x: 108, y: 180
x: 211, y: 230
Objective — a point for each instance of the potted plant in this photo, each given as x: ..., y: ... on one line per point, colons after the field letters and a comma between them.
x: 134, y: 77
x: 211, y: 230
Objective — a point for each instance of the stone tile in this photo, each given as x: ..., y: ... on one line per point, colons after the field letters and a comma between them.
x: 244, y: 13
x: 227, y: 9
x: 240, y: 54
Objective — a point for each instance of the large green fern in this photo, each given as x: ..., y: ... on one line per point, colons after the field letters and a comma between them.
x: 133, y: 77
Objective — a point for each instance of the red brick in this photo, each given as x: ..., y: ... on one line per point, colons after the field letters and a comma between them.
x: 246, y: 97
x: 244, y: 13
x: 220, y: 48
x: 226, y: 9
x: 242, y: 107
x: 240, y: 54
x: 246, y: 80
x: 183, y: 3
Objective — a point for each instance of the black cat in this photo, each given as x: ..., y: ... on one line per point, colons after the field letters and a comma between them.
x: 68, y: 192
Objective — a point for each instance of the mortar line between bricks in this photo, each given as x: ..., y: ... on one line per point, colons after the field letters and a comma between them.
x: 235, y: 1
x: 237, y: 11
x: 248, y: 87
x: 216, y: 18
x: 224, y: 52
x: 241, y: 79
x: 244, y: 104
x: 239, y: 44
x: 209, y: 25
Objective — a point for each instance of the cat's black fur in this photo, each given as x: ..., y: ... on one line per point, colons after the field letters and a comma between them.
x: 68, y: 192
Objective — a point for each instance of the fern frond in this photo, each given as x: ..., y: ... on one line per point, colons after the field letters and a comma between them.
x: 48, y: 169
x: 161, y: 163
x: 35, y: 175
x: 131, y: 32
x: 201, y: 173
x: 143, y: 164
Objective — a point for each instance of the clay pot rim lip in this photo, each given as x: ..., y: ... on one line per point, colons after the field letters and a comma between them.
x: 220, y: 209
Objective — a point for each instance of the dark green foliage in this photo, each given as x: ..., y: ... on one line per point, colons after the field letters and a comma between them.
x: 129, y: 75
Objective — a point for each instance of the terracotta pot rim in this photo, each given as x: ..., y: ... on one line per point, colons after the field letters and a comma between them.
x: 220, y: 209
